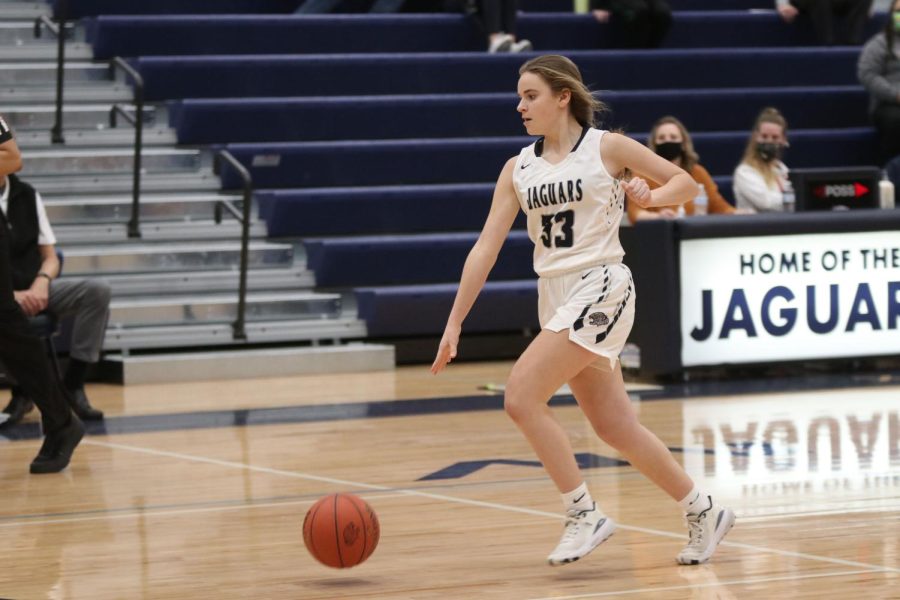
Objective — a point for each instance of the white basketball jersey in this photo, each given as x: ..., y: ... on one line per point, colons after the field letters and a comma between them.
x: 573, y: 207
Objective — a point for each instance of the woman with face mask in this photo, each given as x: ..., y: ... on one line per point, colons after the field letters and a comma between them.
x: 761, y: 179
x: 879, y: 71
x: 670, y: 139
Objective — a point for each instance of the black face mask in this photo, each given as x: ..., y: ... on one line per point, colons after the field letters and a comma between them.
x: 769, y: 151
x: 669, y: 150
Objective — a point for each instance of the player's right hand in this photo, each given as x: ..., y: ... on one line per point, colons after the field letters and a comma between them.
x: 446, y: 350
x: 637, y: 191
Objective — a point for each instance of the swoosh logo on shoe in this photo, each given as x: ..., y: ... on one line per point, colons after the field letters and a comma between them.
x: 599, y: 525
x: 586, y: 274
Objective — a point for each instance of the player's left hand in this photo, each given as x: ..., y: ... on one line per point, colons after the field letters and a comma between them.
x: 637, y: 191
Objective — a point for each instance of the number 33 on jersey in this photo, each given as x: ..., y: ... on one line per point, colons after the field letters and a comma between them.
x: 573, y: 208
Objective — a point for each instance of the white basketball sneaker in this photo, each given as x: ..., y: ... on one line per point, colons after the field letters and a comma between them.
x: 585, y: 530
x: 706, y: 529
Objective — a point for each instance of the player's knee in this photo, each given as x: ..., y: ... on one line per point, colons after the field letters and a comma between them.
x: 99, y: 292
x: 515, y: 401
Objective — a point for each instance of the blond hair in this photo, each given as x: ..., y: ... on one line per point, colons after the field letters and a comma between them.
x: 768, y: 115
x: 689, y: 157
x: 561, y: 74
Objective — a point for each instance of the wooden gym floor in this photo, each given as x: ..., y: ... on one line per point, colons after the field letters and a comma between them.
x: 199, y: 491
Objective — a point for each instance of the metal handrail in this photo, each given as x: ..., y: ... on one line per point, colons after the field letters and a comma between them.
x: 45, y: 21
x: 118, y: 109
x: 243, y: 216
x: 134, y: 223
x: 56, y: 133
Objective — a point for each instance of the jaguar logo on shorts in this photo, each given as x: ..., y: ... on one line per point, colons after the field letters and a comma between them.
x: 597, y: 319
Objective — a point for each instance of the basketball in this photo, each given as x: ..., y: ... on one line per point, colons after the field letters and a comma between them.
x: 341, y: 530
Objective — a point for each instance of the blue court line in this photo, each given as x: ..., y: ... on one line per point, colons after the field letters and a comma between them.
x: 436, y: 406
x: 280, y: 415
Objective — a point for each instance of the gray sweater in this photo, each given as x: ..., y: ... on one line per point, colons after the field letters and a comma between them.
x: 879, y: 72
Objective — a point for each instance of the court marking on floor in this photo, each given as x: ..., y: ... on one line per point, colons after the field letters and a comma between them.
x: 342, y: 411
x: 479, y: 503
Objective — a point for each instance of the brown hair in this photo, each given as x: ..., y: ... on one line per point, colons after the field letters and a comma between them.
x: 689, y: 157
x: 560, y: 74
x: 768, y: 115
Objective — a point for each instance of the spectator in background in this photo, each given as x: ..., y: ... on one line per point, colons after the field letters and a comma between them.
x: 824, y: 14
x: 761, y: 180
x: 22, y: 352
x: 311, y: 7
x: 879, y: 71
x: 35, y: 268
x: 499, y: 20
x: 670, y: 139
x: 644, y: 23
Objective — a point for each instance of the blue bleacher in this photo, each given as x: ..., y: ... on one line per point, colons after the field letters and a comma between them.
x: 465, y: 160
x: 454, y: 73
x: 398, y: 311
x: 199, y: 121
x: 367, y: 210
x: 409, y: 259
x: 340, y: 34
x: 280, y: 34
x: 376, y: 209
x: 377, y: 138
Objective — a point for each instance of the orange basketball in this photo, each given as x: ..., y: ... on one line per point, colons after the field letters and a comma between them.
x: 341, y: 530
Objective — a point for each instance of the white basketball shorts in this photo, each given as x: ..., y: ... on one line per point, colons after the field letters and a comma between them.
x: 596, y: 305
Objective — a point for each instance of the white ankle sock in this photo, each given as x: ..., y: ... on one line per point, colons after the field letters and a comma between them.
x: 578, y: 499
x: 696, y: 501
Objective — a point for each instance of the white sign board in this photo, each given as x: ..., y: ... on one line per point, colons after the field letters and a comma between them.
x: 790, y: 297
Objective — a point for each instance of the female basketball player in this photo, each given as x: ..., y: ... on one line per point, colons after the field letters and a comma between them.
x: 570, y: 185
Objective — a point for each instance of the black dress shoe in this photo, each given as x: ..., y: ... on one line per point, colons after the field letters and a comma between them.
x: 18, y: 407
x: 56, y: 452
x: 79, y: 403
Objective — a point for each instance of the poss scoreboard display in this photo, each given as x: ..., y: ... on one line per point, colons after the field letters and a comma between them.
x: 836, y: 188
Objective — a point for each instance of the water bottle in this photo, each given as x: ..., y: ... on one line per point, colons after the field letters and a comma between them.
x: 701, y: 201
x: 788, y: 198
x: 886, y: 193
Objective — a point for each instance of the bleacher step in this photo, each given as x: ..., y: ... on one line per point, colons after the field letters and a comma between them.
x: 202, y: 180
x: 221, y: 308
x: 43, y: 73
x: 23, y: 11
x: 86, y: 91
x: 23, y: 117
x: 117, y: 233
x: 250, y: 363
x: 221, y: 334
x: 102, y: 138
x: 20, y: 33
x: 108, y: 160
x: 186, y: 282
x: 172, y: 207
x: 44, y: 52
x: 143, y: 258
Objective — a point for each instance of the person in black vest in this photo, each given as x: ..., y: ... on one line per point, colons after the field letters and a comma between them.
x: 35, y: 267
x: 22, y: 352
